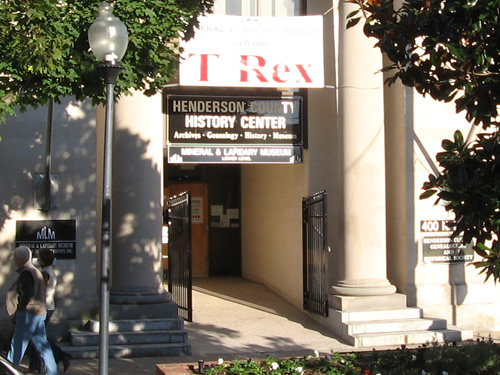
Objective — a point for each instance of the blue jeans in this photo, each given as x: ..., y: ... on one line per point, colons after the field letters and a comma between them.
x: 31, y: 327
x: 35, y: 360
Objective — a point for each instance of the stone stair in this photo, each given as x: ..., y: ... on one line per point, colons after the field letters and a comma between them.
x: 131, y: 338
x: 372, y: 326
x: 398, y: 328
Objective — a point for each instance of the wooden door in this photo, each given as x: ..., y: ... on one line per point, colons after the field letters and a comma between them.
x: 199, y: 223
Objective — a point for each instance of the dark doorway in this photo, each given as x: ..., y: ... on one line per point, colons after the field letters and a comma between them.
x: 223, y: 211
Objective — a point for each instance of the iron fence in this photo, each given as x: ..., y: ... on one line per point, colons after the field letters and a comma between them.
x: 315, y: 250
x: 179, y: 254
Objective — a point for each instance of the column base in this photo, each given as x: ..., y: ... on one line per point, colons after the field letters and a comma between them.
x: 367, y: 303
x: 141, y: 305
x: 139, y: 296
x: 364, y: 287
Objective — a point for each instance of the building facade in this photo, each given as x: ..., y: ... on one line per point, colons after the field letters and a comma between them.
x: 369, y: 146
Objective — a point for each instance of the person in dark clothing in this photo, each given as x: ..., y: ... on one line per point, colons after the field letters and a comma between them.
x: 26, y: 299
x: 45, y: 261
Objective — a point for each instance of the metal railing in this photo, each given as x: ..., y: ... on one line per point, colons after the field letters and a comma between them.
x: 315, y: 250
x: 179, y: 254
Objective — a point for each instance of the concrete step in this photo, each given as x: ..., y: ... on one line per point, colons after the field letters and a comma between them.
x: 391, y: 327
x: 410, y: 337
x: 83, y: 338
x: 131, y: 338
x: 396, y: 325
x: 127, y: 351
x: 392, y: 314
x: 139, y: 325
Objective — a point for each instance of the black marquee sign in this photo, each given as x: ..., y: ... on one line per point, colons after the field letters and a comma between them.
x: 235, y: 130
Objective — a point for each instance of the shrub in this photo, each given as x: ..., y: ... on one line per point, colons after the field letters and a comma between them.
x: 481, y: 357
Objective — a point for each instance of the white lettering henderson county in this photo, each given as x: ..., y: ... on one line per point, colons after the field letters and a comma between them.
x: 285, y: 107
x: 263, y: 55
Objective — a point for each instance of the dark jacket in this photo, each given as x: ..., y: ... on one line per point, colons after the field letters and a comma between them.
x: 28, y: 292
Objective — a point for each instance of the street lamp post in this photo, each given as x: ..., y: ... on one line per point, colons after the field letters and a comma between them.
x: 108, y: 39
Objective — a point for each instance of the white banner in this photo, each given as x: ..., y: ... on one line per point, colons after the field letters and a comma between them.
x: 238, y: 51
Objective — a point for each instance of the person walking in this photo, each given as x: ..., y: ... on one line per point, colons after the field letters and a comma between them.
x: 26, y: 299
x: 45, y: 262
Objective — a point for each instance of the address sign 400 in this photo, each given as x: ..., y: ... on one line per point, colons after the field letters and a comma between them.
x: 434, y: 226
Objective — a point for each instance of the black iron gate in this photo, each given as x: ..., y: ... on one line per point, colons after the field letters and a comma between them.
x: 179, y: 254
x: 315, y: 250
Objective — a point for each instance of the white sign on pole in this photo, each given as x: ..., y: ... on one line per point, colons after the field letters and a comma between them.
x: 239, y: 51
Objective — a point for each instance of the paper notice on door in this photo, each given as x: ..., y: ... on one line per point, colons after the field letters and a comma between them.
x: 216, y: 210
x: 224, y: 221
x: 233, y: 213
x: 197, y: 210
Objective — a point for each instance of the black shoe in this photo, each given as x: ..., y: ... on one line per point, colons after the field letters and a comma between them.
x: 35, y: 367
x: 65, y: 360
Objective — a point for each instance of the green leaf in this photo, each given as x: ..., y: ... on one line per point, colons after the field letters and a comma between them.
x: 480, y: 250
x: 447, y: 145
x: 459, y: 139
x: 353, y: 22
x: 353, y: 13
x: 427, y: 194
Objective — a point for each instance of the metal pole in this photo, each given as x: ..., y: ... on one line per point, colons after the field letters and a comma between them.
x: 46, y: 181
x: 111, y: 74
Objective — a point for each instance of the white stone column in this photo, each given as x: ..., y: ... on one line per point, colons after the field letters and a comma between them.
x: 137, y: 208
x: 362, y: 164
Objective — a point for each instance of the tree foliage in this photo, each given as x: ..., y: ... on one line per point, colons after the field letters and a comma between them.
x: 450, y: 50
x: 469, y: 186
x: 444, y: 48
x: 45, y: 50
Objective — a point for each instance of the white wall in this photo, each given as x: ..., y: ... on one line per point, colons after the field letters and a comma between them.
x: 272, y: 194
x: 22, y: 151
x: 453, y: 291
x: 415, y: 128
x: 272, y: 227
x: 272, y: 204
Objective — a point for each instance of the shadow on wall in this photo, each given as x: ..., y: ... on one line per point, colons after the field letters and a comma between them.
x: 73, y: 160
x: 137, y: 215
x: 456, y: 271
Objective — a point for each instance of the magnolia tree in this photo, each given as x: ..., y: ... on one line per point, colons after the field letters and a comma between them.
x: 450, y: 51
x: 46, y: 56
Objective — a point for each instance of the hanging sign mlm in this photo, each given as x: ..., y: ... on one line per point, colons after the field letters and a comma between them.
x: 58, y: 235
x: 240, y: 51
x: 213, y: 129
